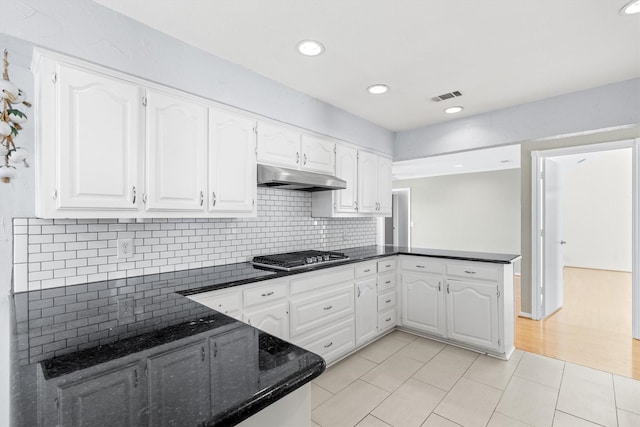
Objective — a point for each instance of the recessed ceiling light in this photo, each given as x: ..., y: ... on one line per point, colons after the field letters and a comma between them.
x: 310, y: 47
x: 631, y: 8
x: 378, y: 89
x: 453, y: 110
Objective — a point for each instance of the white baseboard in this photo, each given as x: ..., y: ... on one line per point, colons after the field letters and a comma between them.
x: 523, y: 314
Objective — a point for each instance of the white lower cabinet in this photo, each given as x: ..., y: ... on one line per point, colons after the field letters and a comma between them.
x: 320, y: 308
x: 331, y: 342
x: 366, y: 310
x: 472, y: 313
x: 273, y: 319
x: 225, y: 301
x: 423, y: 303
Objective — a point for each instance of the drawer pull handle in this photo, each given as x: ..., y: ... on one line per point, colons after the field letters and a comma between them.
x: 387, y: 266
x: 388, y: 301
x: 268, y: 294
x: 387, y: 282
x: 367, y: 270
x: 388, y: 319
x: 328, y: 345
x: 470, y: 272
x: 329, y: 307
x: 420, y: 266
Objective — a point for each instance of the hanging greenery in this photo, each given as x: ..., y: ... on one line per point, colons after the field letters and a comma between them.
x: 11, y: 121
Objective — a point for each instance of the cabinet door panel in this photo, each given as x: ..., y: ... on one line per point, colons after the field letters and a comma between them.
x: 366, y: 310
x: 367, y: 182
x: 176, y: 153
x: 472, y: 313
x: 422, y: 303
x: 273, y: 320
x: 232, y: 162
x: 318, y: 154
x: 99, y: 121
x: 113, y: 398
x: 384, y: 185
x: 314, y: 311
x: 278, y: 145
x: 179, y: 386
x: 347, y: 169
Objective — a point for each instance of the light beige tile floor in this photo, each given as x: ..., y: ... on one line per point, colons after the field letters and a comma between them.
x: 402, y: 380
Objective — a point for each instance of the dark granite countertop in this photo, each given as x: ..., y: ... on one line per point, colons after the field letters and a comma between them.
x: 73, y: 331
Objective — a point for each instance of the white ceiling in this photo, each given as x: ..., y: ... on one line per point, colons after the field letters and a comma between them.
x: 490, y: 159
x: 499, y: 53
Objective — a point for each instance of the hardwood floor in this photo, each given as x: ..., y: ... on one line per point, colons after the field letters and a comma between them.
x: 592, y: 329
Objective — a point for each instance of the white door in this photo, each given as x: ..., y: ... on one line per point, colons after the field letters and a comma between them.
x: 553, y: 238
x: 366, y: 310
x: 367, y: 182
x: 472, y: 313
x: 273, y: 319
x: 384, y: 186
x: 422, y: 303
x: 99, y: 128
x: 232, y: 162
x: 318, y: 154
x: 278, y: 145
x: 176, y: 153
x: 347, y: 169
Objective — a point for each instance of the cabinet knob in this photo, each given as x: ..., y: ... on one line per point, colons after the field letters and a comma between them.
x: 358, y: 291
x: 328, y: 345
x: 329, y: 307
x: 387, y: 301
x: 419, y: 266
x: 267, y: 294
x: 470, y: 272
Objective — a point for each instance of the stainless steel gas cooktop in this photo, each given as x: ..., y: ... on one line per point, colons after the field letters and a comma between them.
x: 295, y: 260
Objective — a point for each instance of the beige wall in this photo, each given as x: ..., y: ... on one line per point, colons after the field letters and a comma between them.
x: 525, y: 164
x: 470, y: 212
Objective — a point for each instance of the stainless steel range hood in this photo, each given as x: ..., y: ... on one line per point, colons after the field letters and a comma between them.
x: 291, y: 179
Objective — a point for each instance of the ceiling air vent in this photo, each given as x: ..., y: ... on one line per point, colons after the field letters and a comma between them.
x: 454, y: 94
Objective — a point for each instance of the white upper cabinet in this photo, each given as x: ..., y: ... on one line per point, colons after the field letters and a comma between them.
x: 176, y: 148
x: 384, y: 186
x: 286, y: 146
x: 318, y: 154
x: 232, y: 163
x: 374, y: 184
x: 278, y: 145
x: 90, y: 149
x: 347, y: 168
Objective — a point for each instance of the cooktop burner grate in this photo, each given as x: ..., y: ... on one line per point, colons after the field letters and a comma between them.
x: 292, y: 260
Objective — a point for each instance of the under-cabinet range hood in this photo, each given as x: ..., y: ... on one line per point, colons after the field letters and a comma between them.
x: 291, y: 179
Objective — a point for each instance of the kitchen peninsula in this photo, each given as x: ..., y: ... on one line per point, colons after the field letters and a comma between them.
x: 140, y: 351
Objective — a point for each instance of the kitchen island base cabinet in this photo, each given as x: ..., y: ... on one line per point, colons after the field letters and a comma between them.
x: 472, y: 313
x: 293, y: 410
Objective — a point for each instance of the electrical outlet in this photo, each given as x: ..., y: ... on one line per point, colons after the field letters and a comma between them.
x: 125, y: 248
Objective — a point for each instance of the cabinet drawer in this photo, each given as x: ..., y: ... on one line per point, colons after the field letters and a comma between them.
x: 312, y: 312
x: 425, y: 265
x: 316, y: 281
x: 386, y: 282
x: 386, y: 265
x: 386, y: 300
x: 386, y: 319
x: 473, y: 271
x: 226, y: 303
x: 366, y: 269
x: 266, y: 293
x: 332, y: 342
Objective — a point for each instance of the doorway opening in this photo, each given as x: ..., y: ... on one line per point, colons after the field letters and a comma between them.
x: 397, y: 227
x: 585, y: 248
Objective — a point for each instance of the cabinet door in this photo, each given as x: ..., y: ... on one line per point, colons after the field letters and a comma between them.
x: 273, y: 319
x: 318, y: 154
x: 179, y: 386
x: 231, y: 353
x: 115, y: 398
x: 176, y: 153
x: 347, y: 169
x: 472, y: 313
x: 278, y: 145
x: 366, y: 310
x: 99, y: 121
x: 422, y: 303
x: 232, y: 162
x: 384, y: 186
x: 367, y: 182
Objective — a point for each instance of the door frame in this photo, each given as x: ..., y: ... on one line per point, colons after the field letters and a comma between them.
x: 537, y: 248
x: 406, y: 190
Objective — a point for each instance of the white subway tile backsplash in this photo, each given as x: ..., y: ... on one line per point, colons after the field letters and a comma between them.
x: 65, y: 252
